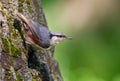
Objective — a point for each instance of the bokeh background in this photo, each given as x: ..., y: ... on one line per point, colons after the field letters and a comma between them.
x: 94, y: 52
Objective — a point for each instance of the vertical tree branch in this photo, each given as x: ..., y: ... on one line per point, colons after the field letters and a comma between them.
x: 15, y: 61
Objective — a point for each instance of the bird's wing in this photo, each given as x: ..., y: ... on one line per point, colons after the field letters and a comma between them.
x: 28, y: 23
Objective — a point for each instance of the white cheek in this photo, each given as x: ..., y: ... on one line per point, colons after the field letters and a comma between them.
x: 55, y: 40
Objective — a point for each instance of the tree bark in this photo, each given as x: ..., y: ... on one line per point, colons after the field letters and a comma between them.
x: 16, y: 62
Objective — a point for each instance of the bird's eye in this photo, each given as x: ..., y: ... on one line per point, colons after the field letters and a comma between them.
x: 51, y: 36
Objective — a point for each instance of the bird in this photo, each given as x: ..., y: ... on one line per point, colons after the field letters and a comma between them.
x: 38, y: 35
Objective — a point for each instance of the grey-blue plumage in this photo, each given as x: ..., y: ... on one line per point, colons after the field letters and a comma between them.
x: 43, y: 34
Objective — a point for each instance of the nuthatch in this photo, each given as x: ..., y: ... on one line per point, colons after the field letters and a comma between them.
x: 38, y: 35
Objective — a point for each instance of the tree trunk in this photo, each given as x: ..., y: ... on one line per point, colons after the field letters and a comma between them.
x: 16, y: 62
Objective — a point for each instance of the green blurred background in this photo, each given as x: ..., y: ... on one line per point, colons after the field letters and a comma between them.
x: 94, y: 52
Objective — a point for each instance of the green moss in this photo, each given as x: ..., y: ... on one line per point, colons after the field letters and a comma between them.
x: 6, y: 45
x: 11, y: 49
x: 34, y: 79
x: 29, y: 6
x: 15, y: 51
x: 19, y: 78
x: 20, y: 5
